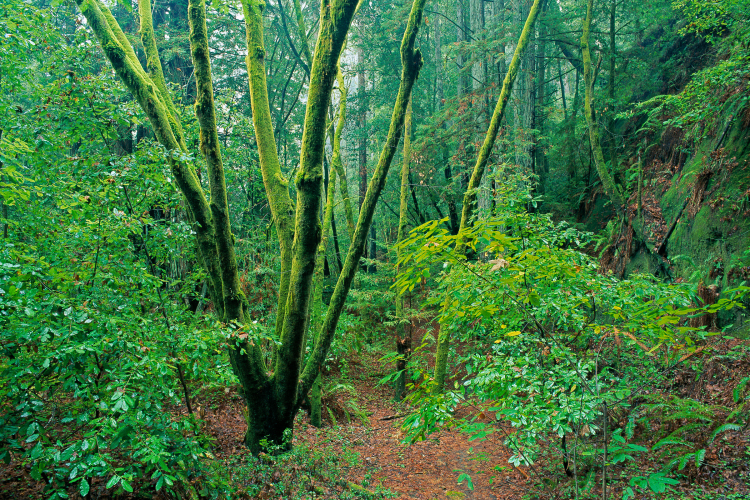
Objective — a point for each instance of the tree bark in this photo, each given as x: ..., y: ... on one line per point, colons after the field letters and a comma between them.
x: 441, y: 358
x: 336, y: 161
x: 316, y: 393
x: 403, y: 341
x: 411, y: 60
x: 209, y: 146
x: 121, y: 55
x: 335, y: 19
x: 611, y: 87
x: 612, y: 190
x: 276, y: 186
x: 449, y: 195
x: 497, y: 116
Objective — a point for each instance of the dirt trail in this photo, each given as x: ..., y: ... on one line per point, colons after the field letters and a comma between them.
x: 425, y: 470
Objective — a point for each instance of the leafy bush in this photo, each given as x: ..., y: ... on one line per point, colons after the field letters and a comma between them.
x: 548, y: 344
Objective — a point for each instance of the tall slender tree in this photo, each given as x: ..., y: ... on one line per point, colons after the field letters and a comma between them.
x: 608, y: 182
x: 441, y: 356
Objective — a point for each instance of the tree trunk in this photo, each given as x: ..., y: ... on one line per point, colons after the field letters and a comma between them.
x: 272, y: 401
x: 523, y: 97
x: 441, y: 358
x: 411, y: 60
x: 334, y: 25
x: 611, y: 87
x: 539, y: 158
x: 362, y: 98
x: 316, y: 393
x: 449, y: 195
x: 338, y: 165
x: 372, y: 267
x: 403, y: 340
x: 276, y: 186
x: 612, y: 189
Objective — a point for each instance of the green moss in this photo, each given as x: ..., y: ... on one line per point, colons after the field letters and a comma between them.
x: 497, y: 117
x: 277, y: 187
x: 411, y: 63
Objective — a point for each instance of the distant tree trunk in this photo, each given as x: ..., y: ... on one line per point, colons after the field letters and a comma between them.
x: 362, y: 98
x: 336, y: 247
x: 479, y: 68
x: 537, y: 153
x: 562, y: 89
x: 420, y: 214
x: 460, y: 39
x: 612, y: 189
x: 570, y: 136
x: 372, y: 267
x: 441, y: 357
x: 499, y: 16
x: 450, y: 195
x: 523, y: 96
x: 317, y: 292
x: 403, y: 331
x: 338, y: 164
x: 611, y: 88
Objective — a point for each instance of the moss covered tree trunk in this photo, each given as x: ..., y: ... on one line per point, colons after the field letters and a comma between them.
x: 403, y: 330
x: 276, y: 185
x: 272, y: 399
x: 470, y: 197
x: 612, y: 189
x: 411, y: 60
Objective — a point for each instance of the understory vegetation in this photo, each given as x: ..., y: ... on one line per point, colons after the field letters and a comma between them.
x: 212, y: 287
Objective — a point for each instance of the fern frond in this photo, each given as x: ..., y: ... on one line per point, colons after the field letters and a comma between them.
x: 724, y: 428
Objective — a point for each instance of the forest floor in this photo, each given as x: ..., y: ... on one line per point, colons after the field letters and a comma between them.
x: 362, y: 450
x: 369, y: 424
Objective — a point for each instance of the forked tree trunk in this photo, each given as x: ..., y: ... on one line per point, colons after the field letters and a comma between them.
x: 441, y: 357
x: 272, y: 400
x: 411, y: 60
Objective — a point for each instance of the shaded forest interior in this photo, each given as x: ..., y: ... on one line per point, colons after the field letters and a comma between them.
x: 412, y: 249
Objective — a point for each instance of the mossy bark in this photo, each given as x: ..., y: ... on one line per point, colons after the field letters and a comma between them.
x: 470, y: 197
x: 411, y: 60
x: 302, y: 31
x: 612, y: 190
x: 272, y: 401
x: 335, y: 20
x: 122, y: 57
x: 337, y: 163
x: 403, y: 343
x: 211, y: 220
x: 209, y: 146
x: 153, y: 65
x: 246, y: 358
x: 276, y: 186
